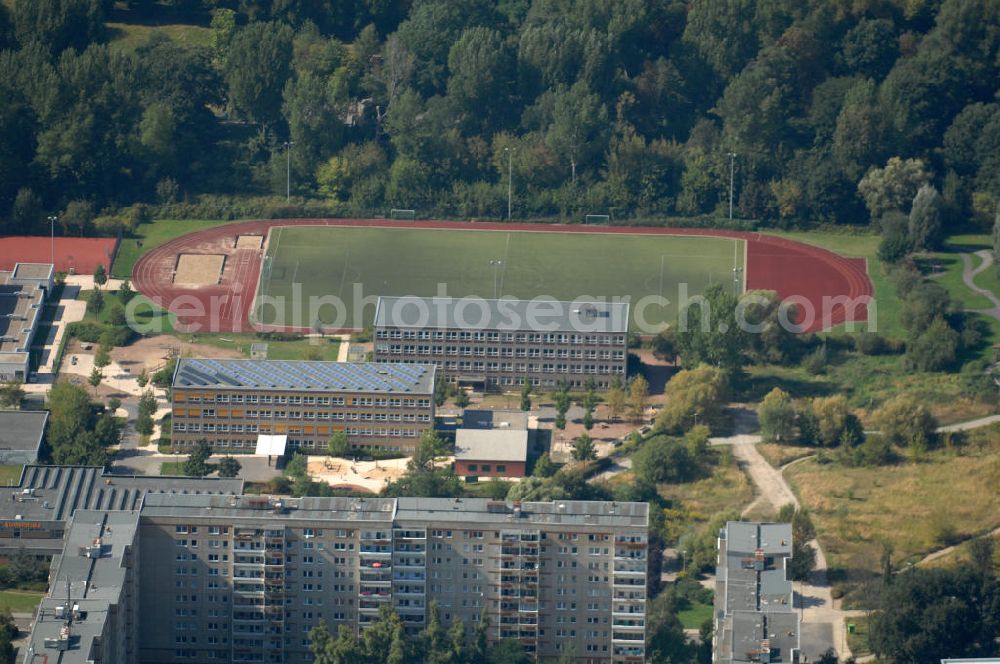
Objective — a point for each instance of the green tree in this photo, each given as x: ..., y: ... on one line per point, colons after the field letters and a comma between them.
x: 835, y: 422
x: 579, y: 126
x: 58, y: 24
x: 692, y: 396
x: 482, y: 76
x: 903, y: 420
x: 338, y: 445
x: 229, y: 467
x: 326, y: 649
x: 777, y: 417
x: 584, y: 449
x: 95, y: 302
x: 893, y: 187
x: 423, y: 477
x: 544, y: 466
x: 616, y: 399
x: 100, y: 275
x: 95, y: 378
x: 708, y: 331
x: 526, y: 395
x: 197, y: 462
x: 462, y: 399
x: 926, y: 226
x: 803, y: 554
x: 638, y: 397
x: 935, y: 349
x: 11, y: 394
x: 257, y: 66
x: 142, y: 378
x: 929, y: 614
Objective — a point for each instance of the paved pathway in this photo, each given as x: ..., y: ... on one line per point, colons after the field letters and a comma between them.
x: 969, y: 274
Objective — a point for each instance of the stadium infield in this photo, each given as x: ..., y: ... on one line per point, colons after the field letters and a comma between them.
x: 354, y: 264
x: 810, y: 275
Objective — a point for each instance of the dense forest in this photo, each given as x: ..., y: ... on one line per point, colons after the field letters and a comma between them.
x: 837, y: 111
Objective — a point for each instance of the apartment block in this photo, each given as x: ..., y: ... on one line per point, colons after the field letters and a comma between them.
x: 498, y: 344
x: 229, y: 403
x: 244, y: 579
x: 755, y: 618
x: 90, y: 615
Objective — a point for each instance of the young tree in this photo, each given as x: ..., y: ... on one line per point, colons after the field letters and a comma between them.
x: 526, y: 396
x: 142, y: 378
x: 144, y: 424
x: 95, y: 303
x: 440, y: 391
x: 229, y: 467
x: 11, y: 394
x: 616, y: 400
x: 560, y: 421
x: 95, y: 378
x: 588, y: 420
x: 584, y: 449
x: 462, y: 399
x: 777, y: 416
x: 125, y: 293
x: 544, y: 466
x: 338, y: 445
x: 197, y: 462
x: 100, y: 276
x: 926, y: 226
x: 638, y: 397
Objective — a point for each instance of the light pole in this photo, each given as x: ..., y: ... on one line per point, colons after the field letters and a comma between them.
x: 52, y: 224
x: 510, y: 179
x: 732, y: 166
x: 496, y: 263
x: 288, y: 170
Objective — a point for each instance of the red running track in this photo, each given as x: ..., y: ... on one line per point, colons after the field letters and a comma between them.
x: 81, y: 255
x: 817, y: 280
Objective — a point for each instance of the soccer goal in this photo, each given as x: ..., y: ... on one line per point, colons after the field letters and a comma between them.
x: 395, y: 213
x: 598, y: 219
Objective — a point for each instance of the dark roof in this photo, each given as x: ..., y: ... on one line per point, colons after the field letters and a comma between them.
x: 22, y: 429
x: 305, y: 375
x: 505, y: 314
x: 54, y: 493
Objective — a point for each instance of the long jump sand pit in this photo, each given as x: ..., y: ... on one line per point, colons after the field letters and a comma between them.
x: 249, y: 242
x: 199, y: 269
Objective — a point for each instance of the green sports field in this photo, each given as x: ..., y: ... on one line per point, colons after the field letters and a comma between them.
x: 354, y: 263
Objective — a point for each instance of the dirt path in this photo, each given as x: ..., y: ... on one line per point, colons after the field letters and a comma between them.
x: 815, y: 599
x: 969, y: 274
x: 940, y: 553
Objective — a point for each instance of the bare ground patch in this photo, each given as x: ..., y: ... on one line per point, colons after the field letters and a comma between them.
x: 199, y: 269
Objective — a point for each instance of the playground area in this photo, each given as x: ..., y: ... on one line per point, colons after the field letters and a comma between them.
x: 356, y: 475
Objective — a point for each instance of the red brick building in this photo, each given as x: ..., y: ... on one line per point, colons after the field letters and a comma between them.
x: 491, y: 452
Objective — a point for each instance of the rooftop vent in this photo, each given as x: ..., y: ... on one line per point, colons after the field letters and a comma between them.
x: 61, y: 642
x: 92, y: 550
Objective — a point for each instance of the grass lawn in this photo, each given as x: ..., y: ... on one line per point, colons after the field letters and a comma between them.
x: 19, y: 601
x: 695, y: 615
x: 332, y: 261
x: 153, y: 235
x: 129, y: 36
x: 323, y: 349
x: 858, y: 640
x: 10, y: 475
x: 914, y: 507
x: 172, y: 468
x: 951, y: 266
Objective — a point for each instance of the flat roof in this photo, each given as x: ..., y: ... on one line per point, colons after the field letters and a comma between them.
x: 95, y: 585
x: 491, y: 444
x: 494, y: 419
x: 54, y: 493
x: 22, y: 429
x: 20, y: 306
x: 504, y: 314
x: 306, y: 376
x: 33, y: 271
x: 386, y: 510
